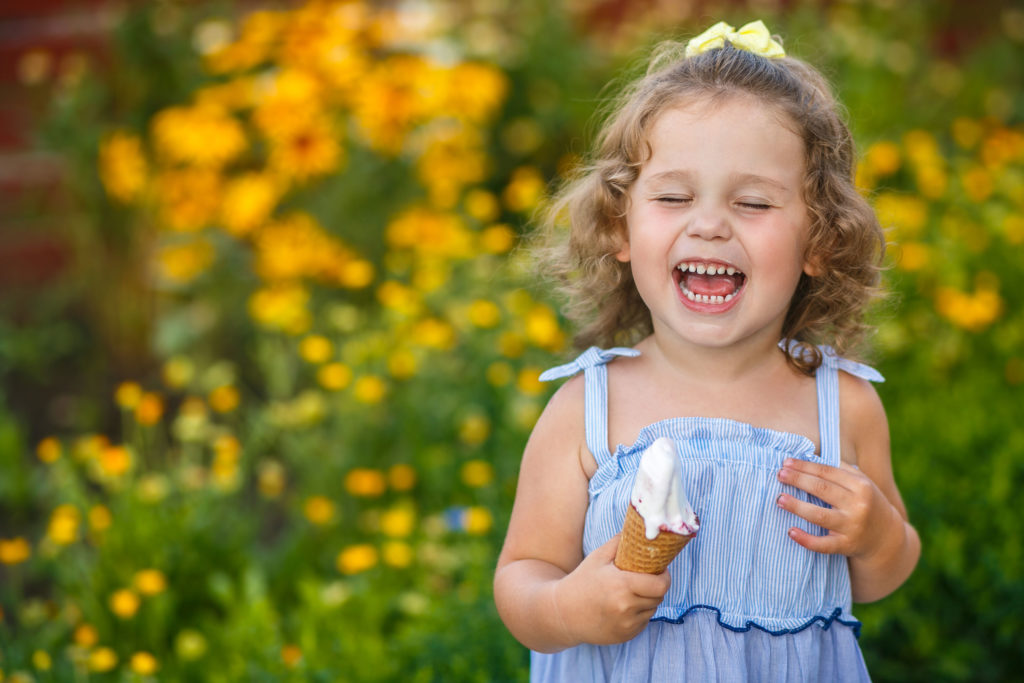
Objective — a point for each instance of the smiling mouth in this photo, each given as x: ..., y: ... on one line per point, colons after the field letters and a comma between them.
x: 706, y: 282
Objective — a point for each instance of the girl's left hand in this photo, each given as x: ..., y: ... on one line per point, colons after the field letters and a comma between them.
x: 860, y: 513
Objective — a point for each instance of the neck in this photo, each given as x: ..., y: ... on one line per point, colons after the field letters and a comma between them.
x: 715, y: 365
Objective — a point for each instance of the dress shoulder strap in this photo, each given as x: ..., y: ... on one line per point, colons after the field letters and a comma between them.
x: 592, y: 363
x: 827, y: 378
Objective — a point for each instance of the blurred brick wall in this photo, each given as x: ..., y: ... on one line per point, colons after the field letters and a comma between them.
x: 41, y: 41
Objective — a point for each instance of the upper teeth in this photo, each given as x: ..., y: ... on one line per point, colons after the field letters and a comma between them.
x: 706, y: 269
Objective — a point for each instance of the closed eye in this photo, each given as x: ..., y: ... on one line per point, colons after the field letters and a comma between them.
x: 672, y: 199
x: 754, y: 205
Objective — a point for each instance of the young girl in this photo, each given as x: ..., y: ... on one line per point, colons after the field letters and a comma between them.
x: 718, y: 224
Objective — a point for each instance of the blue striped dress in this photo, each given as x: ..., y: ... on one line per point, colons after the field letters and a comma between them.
x: 746, y: 602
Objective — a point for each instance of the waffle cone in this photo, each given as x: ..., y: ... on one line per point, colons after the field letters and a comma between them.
x: 637, y: 553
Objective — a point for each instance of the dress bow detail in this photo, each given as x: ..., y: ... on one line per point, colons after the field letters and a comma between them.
x: 589, y: 358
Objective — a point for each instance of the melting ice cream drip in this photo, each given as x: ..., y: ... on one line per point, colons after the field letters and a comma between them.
x: 658, y: 492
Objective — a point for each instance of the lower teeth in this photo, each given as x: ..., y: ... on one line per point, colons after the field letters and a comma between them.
x: 705, y: 299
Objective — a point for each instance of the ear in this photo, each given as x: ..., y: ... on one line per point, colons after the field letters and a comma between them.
x: 812, y: 267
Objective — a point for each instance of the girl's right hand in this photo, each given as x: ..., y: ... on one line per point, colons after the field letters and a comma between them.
x: 599, y: 603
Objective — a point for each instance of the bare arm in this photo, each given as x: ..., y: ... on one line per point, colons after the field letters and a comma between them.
x: 548, y: 595
x: 867, y: 521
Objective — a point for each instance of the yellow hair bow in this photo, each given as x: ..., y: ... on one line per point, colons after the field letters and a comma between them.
x: 753, y: 37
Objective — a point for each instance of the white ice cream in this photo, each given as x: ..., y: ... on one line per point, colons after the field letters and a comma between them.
x: 658, y: 492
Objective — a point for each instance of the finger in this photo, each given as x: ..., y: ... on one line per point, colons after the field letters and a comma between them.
x: 843, y: 475
x: 829, y: 545
x: 823, y: 488
x: 826, y: 518
x: 653, y: 586
x: 605, y: 553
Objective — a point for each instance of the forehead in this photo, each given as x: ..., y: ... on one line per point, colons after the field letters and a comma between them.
x: 741, y: 134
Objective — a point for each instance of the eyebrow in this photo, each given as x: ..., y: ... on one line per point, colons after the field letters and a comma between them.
x: 738, y: 178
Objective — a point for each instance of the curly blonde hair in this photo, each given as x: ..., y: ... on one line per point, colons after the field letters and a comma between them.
x: 845, y: 242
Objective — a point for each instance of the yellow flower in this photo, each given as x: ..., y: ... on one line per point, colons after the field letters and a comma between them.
x: 291, y: 655
x: 201, y: 135
x: 482, y: 205
x: 63, y: 527
x: 477, y: 473
x: 474, y: 91
x: 484, y: 313
x: 248, y: 201
x: 144, y: 664
x: 365, y: 482
x: 224, y: 399
x: 478, y: 520
x: 391, y: 98
x: 497, y: 239
x: 474, y: 429
x: 14, y: 550
x: 177, y: 372
x: 150, y: 581
x: 85, y: 635
x: 528, y: 382
x: 973, y: 312
x: 115, y: 461
x: 128, y: 394
x: 356, y: 559
x: 977, y: 183
x: 431, y: 232
x: 281, y: 307
x: 398, y: 521
x: 499, y: 373
x: 397, y: 554
x: 511, y: 344
x: 122, y: 166
x: 102, y: 659
x: 883, y: 158
x: 307, y: 150
x: 183, y: 262
x: 150, y: 409
x: 49, y: 450
x: 402, y: 364
x: 315, y: 348
x: 433, y: 333
x: 525, y: 189
x: 318, y: 510
x: 453, y: 157
x: 334, y: 376
x: 41, y: 660
x: 124, y: 603
x: 190, y: 644
x: 542, y: 328
x: 188, y: 199
x: 370, y: 389
x: 271, y: 479
x: 100, y: 518
x: 967, y: 132
x: 398, y: 297
x: 402, y: 477
x: 913, y: 256
x: 906, y: 214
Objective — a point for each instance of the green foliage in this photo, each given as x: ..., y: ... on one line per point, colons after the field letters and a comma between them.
x: 314, y: 482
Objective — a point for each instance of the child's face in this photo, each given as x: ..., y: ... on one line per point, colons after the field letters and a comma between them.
x: 721, y: 191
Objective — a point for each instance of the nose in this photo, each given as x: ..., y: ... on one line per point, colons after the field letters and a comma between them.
x: 709, y: 222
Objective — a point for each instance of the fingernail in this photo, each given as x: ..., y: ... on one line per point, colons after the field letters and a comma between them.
x: 788, y: 462
x: 780, y: 501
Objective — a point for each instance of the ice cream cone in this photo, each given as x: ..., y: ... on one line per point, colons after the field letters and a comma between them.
x: 637, y: 553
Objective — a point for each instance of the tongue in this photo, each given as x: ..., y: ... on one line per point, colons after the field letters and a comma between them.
x: 710, y: 285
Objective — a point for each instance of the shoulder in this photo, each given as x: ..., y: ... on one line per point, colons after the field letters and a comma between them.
x: 862, y: 415
x: 561, y: 427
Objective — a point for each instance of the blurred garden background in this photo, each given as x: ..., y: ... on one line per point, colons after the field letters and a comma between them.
x: 269, y: 351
